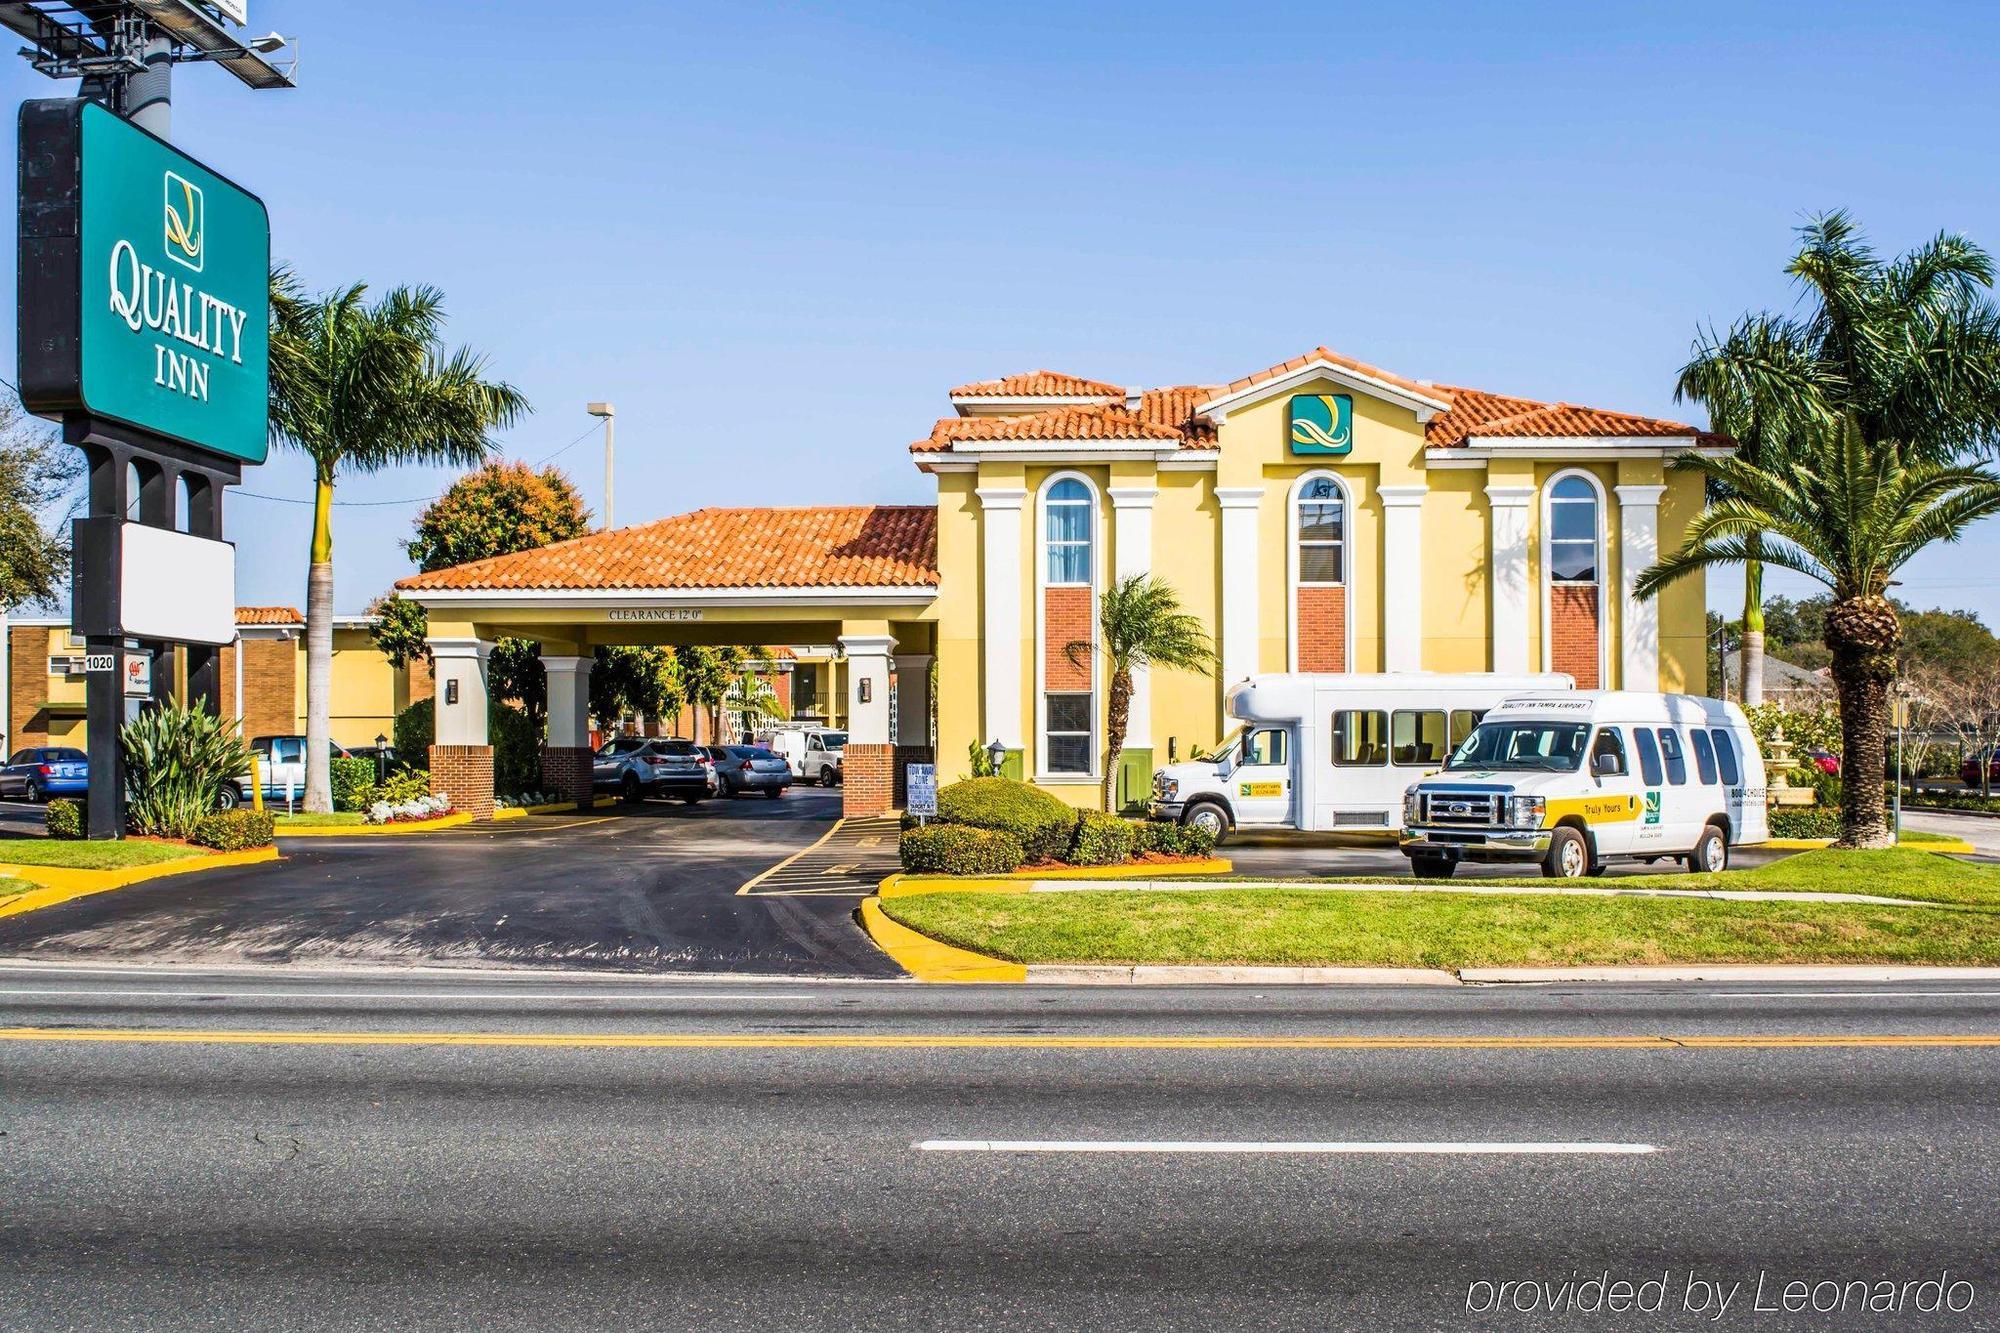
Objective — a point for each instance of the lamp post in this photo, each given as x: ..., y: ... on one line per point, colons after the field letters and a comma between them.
x: 381, y: 757
x: 605, y: 413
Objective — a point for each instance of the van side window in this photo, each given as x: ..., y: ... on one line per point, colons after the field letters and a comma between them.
x: 1677, y: 764
x: 1361, y: 737
x: 1649, y: 756
x: 1416, y: 738
x: 1463, y: 721
x: 1610, y: 743
x: 1265, y: 747
x: 1725, y: 758
x: 1704, y: 757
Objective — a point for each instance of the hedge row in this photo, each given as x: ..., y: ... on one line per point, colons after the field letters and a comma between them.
x: 989, y: 826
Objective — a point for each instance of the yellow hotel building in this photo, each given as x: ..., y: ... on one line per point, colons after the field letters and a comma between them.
x: 1321, y: 515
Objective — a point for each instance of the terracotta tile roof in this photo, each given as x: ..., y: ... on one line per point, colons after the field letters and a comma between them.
x: 1166, y: 415
x: 845, y: 546
x: 1348, y: 362
x: 1475, y: 412
x: 1039, y: 384
x: 268, y: 615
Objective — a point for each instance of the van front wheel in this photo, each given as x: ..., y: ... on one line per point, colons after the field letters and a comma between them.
x: 1208, y: 817
x: 1711, y: 855
x: 1569, y: 856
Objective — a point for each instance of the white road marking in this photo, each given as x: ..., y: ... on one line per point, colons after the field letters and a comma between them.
x: 1841, y: 994
x: 648, y: 996
x: 1255, y: 1146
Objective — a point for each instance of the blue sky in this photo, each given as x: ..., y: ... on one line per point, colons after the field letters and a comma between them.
x: 774, y: 236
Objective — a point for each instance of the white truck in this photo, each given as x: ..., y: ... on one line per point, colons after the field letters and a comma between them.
x: 1322, y: 752
x: 816, y: 754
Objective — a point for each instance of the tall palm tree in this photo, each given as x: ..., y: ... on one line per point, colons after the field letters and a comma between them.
x: 1849, y: 514
x: 1140, y: 623
x: 358, y: 387
x: 1908, y: 348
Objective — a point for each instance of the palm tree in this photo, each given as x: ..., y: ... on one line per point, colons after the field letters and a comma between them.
x: 1849, y: 514
x: 1141, y: 624
x: 356, y: 388
x: 1908, y: 348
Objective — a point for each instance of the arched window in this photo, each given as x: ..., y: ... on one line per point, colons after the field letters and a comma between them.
x: 1067, y: 524
x: 1573, y: 575
x: 1318, y: 523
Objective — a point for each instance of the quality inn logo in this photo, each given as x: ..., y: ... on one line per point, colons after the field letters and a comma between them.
x: 186, y: 222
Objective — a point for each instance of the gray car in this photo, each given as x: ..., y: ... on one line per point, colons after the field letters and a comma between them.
x: 635, y: 768
x: 742, y: 768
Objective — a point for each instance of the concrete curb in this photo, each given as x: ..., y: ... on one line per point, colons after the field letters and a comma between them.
x: 1495, y: 890
x: 59, y: 884
x: 1481, y: 976
x: 903, y: 884
x: 1159, y: 974
x: 1943, y: 846
x: 927, y: 959
x: 552, y: 808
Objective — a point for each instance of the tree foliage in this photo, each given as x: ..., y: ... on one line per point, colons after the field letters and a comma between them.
x: 1140, y: 623
x: 38, y: 486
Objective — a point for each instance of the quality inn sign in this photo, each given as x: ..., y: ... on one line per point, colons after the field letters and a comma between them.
x: 145, y: 284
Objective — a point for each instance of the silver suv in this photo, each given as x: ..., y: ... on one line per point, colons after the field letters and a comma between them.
x: 636, y: 767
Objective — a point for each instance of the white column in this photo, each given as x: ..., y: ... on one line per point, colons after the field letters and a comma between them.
x: 1638, y: 547
x: 459, y: 668
x: 1240, y: 593
x: 569, y: 701
x: 1402, y: 577
x: 913, y: 699
x: 867, y: 687
x: 1132, y: 543
x: 1000, y: 589
x: 1507, y: 571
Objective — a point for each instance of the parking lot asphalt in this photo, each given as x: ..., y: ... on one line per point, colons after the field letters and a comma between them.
x: 646, y: 888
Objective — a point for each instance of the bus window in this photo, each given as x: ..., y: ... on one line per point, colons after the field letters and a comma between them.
x: 1360, y: 737
x: 1416, y: 738
x: 1704, y: 757
x: 1725, y: 758
x: 1649, y: 756
x: 1463, y: 720
x: 1677, y: 764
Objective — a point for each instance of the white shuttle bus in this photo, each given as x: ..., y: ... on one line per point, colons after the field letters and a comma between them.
x: 1326, y: 752
x: 1575, y: 781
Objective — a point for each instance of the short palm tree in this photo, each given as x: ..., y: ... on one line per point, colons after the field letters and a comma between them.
x: 1141, y: 624
x: 1909, y: 348
x: 358, y: 387
x: 1848, y: 513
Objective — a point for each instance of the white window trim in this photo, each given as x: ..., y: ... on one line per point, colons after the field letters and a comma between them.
x: 1545, y: 520
x: 1042, y: 585
x: 1292, y: 584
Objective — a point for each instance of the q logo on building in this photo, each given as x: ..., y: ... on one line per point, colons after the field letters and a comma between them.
x: 184, y: 222
x: 1322, y: 423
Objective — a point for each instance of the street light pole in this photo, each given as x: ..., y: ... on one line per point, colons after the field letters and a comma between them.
x: 605, y: 412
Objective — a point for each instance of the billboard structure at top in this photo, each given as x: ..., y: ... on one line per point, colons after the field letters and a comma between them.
x: 145, y: 284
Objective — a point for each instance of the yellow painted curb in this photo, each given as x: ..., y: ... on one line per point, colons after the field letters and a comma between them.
x: 377, y: 830
x: 59, y: 884
x: 909, y: 886
x: 551, y: 808
x: 1947, y: 847
x: 901, y: 885
x: 927, y: 959
x: 1212, y: 865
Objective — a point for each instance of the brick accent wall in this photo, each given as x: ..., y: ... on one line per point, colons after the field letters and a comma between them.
x: 1065, y: 619
x: 566, y: 771
x: 909, y: 754
x: 270, y: 687
x: 868, y: 780
x: 1574, y: 633
x: 27, y: 686
x: 464, y: 773
x: 1323, y: 629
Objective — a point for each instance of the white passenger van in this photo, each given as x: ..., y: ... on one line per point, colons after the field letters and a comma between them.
x: 1331, y: 751
x: 1576, y: 781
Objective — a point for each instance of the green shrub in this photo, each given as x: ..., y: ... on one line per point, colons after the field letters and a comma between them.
x: 1041, y: 822
x: 954, y: 849
x: 177, y: 759
x: 233, y: 830
x: 64, y: 818
x: 399, y: 788
x: 1805, y: 823
x: 1102, y: 840
x: 414, y: 730
x: 1167, y: 839
x: 350, y: 778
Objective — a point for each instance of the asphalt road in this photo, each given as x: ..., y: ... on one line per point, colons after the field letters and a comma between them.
x: 652, y: 887
x: 704, y: 1174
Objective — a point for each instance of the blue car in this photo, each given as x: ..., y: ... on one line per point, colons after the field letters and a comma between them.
x: 42, y: 771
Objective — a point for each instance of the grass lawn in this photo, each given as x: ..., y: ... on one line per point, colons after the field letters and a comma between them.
x: 335, y: 820
x: 1303, y: 926
x: 80, y: 855
x: 9, y: 886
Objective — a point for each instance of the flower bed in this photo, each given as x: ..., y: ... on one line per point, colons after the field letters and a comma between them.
x: 434, y: 806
